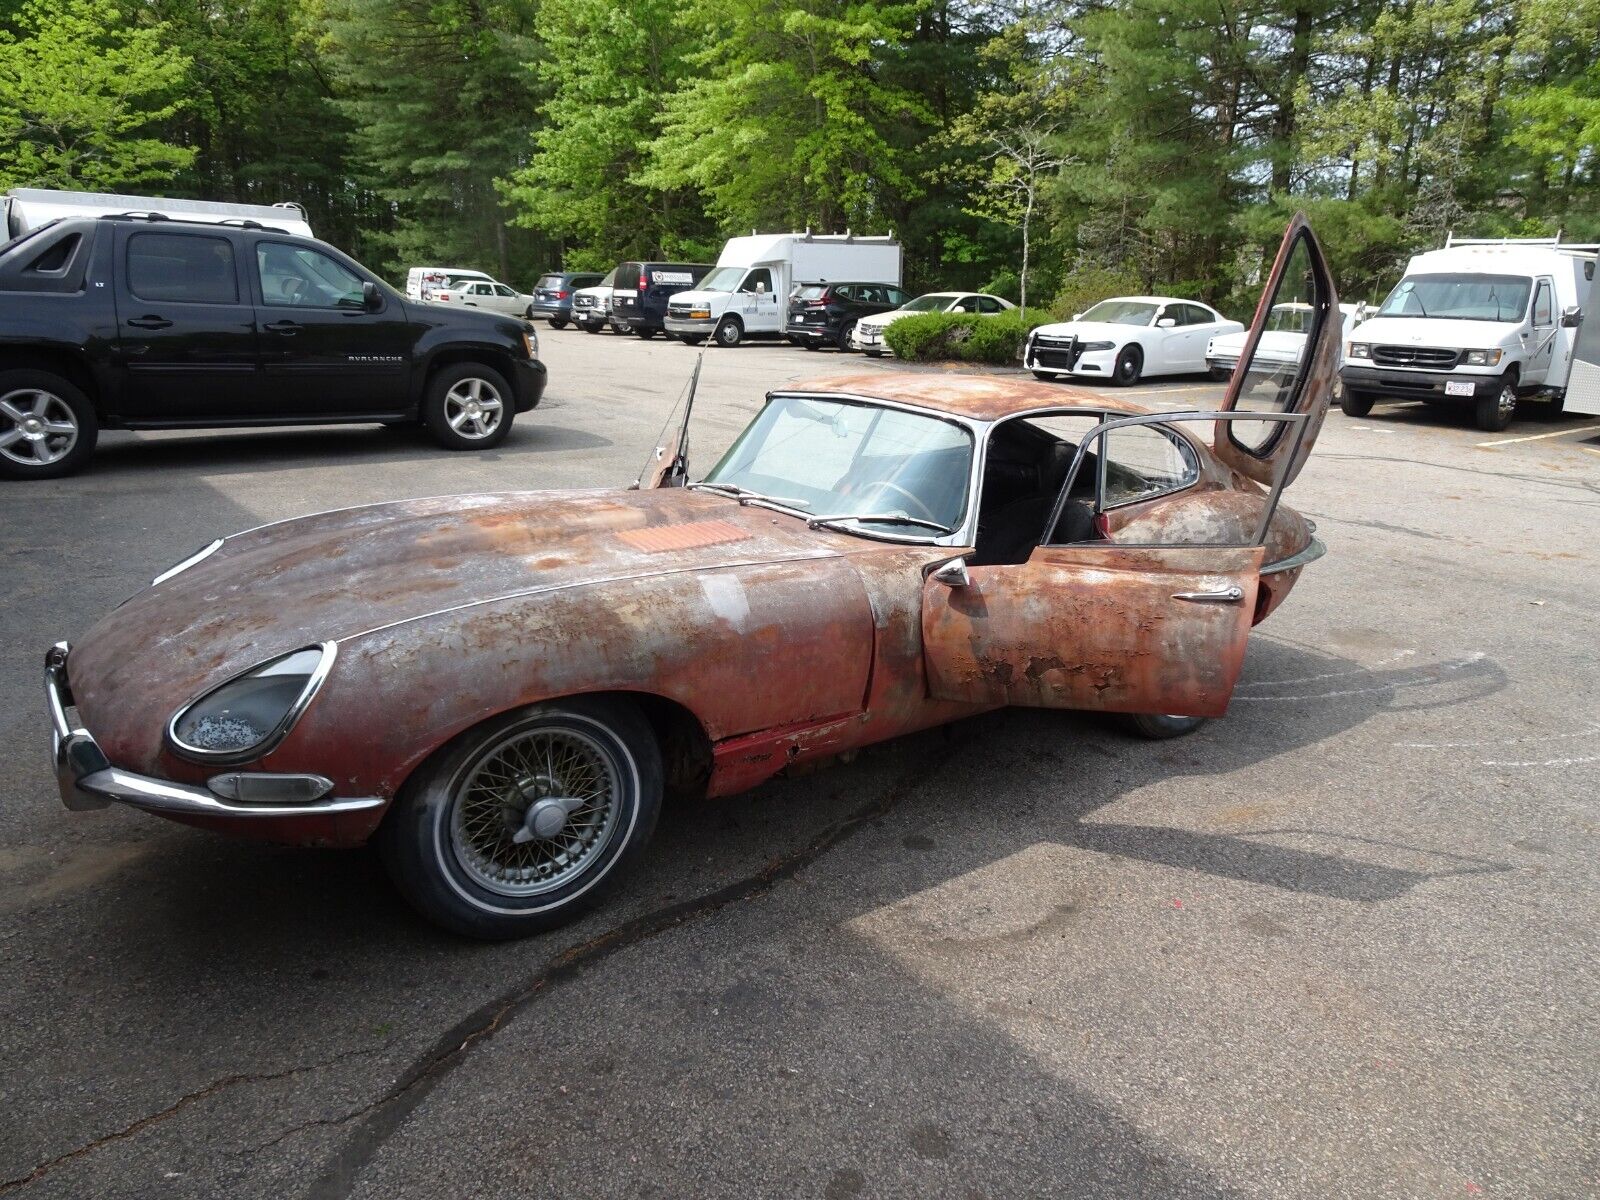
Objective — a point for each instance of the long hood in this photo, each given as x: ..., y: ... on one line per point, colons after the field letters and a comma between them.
x: 1437, y: 332
x: 696, y: 297
x: 338, y: 575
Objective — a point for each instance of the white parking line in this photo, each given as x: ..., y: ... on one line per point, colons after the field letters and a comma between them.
x: 1532, y: 437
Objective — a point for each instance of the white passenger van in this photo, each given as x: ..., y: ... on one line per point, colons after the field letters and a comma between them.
x: 24, y: 209
x: 747, y: 293
x: 1480, y: 322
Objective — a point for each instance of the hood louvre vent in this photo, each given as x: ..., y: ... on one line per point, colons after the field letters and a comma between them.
x: 656, y: 538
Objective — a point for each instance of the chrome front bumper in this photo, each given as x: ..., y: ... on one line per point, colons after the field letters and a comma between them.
x: 87, y: 780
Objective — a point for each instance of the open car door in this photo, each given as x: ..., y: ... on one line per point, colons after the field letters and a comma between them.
x: 1120, y: 626
x: 1274, y: 453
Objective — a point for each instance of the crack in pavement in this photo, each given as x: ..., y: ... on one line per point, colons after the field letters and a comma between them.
x: 386, y: 1114
x: 177, y: 1106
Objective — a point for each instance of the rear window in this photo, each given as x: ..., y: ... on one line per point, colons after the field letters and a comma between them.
x: 627, y: 276
x: 182, y: 267
x: 549, y: 283
x: 813, y: 291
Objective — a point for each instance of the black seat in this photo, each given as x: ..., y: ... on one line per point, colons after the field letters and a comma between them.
x: 1011, y: 531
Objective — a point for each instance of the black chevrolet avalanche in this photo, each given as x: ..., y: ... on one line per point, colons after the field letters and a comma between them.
x: 145, y: 322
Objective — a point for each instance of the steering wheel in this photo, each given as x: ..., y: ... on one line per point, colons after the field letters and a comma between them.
x: 889, y: 485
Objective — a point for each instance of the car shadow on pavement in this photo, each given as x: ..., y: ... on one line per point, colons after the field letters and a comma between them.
x: 213, y: 453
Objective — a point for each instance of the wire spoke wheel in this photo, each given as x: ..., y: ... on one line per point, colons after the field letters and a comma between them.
x: 37, y: 427
x: 473, y: 408
x: 533, y: 811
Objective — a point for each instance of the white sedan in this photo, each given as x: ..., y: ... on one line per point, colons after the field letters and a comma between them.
x: 1283, y: 340
x: 497, y: 297
x: 1127, y: 338
x: 868, y: 333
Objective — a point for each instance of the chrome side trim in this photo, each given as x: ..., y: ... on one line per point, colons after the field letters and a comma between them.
x: 279, y: 731
x: 1313, y: 551
x: 203, y: 553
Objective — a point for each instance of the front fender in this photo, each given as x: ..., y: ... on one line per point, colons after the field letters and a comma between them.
x: 744, y: 648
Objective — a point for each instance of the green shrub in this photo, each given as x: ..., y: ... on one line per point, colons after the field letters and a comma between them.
x: 962, y: 337
x: 1082, y: 290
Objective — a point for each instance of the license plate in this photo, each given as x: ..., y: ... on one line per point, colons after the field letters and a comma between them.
x: 1458, y: 387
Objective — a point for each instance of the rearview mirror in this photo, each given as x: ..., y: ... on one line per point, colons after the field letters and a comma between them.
x: 371, y: 297
x: 1571, y: 316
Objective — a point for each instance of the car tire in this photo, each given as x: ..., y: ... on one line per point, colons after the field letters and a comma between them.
x: 1356, y: 404
x: 645, y: 332
x: 846, y: 332
x: 591, y: 328
x: 447, y: 842
x: 873, y: 353
x: 47, y: 423
x: 1129, y: 366
x: 558, y: 323
x: 457, y: 407
x: 1495, y: 411
x: 810, y: 345
x: 693, y: 340
x: 527, y: 313
x: 1044, y: 376
x: 1221, y: 374
x: 1158, y: 726
x: 729, y: 332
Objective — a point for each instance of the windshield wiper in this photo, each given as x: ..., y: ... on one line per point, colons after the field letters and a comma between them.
x: 746, y: 496
x: 894, y: 518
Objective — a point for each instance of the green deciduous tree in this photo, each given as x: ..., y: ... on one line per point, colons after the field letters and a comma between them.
x: 80, y: 92
x: 607, y: 66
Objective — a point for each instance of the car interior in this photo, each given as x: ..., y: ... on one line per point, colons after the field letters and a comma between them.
x: 1024, y: 471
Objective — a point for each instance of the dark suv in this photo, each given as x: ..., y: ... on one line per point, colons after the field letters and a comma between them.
x: 144, y: 322
x: 823, y: 314
x: 640, y: 292
x: 552, y: 295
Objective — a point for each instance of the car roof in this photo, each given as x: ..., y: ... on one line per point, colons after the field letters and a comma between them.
x: 1154, y: 300
x: 978, y: 397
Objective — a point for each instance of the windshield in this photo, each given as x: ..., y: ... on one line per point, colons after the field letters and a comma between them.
x: 931, y: 303
x: 1461, y: 297
x: 1289, y: 318
x: 1121, y: 312
x: 723, y: 279
x: 830, y: 458
x: 611, y: 278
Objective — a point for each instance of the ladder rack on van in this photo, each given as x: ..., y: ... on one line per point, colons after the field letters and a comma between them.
x: 1451, y: 241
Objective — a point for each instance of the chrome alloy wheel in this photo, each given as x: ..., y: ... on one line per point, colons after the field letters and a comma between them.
x: 1506, y: 402
x: 533, y: 811
x: 474, y: 408
x: 37, y: 427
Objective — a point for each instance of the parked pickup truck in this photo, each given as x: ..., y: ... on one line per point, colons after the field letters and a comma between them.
x: 141, y: 321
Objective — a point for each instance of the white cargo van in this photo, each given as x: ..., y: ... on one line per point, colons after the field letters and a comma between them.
x: 747, y: 293
x: 1479, y: 322
x: 24, y: 209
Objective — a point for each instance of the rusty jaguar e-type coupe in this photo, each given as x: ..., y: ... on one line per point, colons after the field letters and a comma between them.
x: 500, y: 688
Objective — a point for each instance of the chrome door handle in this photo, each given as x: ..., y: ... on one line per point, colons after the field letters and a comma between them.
x: 1230, y: 595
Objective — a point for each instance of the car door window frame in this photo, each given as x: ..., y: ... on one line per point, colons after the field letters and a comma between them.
x: 260, y: 282
x: 1543, y: 287
x: 239, y: 293
x: 1294, y: 420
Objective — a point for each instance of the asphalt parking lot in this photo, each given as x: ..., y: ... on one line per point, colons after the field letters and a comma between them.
x: 1340, y: 943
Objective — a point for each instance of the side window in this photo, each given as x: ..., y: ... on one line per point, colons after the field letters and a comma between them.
x: 1193, y: 314
x: 300, y: 277
x: 894, y: 296
x: 757, y: 281
x: 501, y: 289
x: 182, y: 267
x: 987, y: 304
x: 965, y: 304
x: 1141, y: 461
x: 1543, y: 312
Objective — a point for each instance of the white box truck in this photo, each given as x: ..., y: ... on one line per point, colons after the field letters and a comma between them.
x: 1480, y: 322
x: 26, y: 209
x: 747, y: 293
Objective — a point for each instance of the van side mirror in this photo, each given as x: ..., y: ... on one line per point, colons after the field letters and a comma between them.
x: 371, y: 297
x: 1571, y: 317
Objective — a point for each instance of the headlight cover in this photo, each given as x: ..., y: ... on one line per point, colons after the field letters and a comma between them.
x: 1088, y: 346
x: 1483, y: 358
x: 530, y: 343
x: 1359, y: 350
x: 249, y: 715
